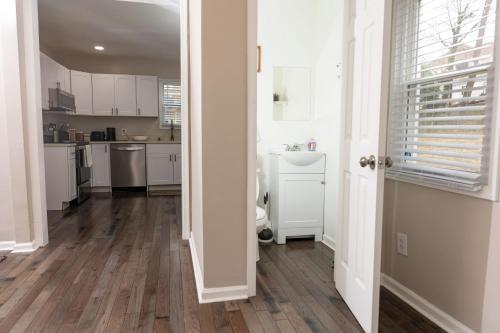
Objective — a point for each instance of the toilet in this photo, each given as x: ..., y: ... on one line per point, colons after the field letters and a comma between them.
x: 261, y: 217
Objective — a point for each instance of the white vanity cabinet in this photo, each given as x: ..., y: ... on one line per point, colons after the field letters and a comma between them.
x: 297, y: 195
x: 101, y: 173
x: 163, y: 164
x: 60, y: 175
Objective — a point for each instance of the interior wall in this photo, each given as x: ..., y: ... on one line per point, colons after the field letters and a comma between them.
x: 224, y: 150
x: 316, y: 27
x: 448, y: 244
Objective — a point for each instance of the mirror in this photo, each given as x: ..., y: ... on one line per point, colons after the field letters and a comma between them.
x: 291, y: 94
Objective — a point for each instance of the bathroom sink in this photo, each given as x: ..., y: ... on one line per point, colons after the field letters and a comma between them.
x: 301, y: 158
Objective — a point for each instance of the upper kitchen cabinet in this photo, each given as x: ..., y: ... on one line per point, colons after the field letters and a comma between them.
x: 125, y: 95
x: 81, y: 87
x: 147, y: 96
x: 53, y: 75
x: 103, y: 94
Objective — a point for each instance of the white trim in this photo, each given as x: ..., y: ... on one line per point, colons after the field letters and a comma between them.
x: 426, y: 308
x: 7, y: 245
x: 185, y: 128
x: 209, y: 295
x: 24, y: 247
x: 328, y: 241
x: 251, y: 149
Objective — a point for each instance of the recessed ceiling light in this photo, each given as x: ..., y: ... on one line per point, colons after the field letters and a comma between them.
x: 99, y: 48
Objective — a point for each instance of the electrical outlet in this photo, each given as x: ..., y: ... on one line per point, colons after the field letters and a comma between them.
x: 402, y: 244
x: 124, y: 131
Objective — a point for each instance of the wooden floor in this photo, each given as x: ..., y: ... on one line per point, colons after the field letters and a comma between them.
x: 120, y: 265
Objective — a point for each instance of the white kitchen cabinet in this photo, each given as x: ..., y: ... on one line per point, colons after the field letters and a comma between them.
x: 52, y: 74
x: 103, y: 94
x: 81, y: 87
x: 297, y: 197
x: 125, y: 95
x: 163, y: 164
x: 60, y: 175
x: 147, y: 96
x: 177, y: 165
x: 101, y: 175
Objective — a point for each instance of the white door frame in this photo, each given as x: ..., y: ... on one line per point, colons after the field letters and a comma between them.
x: 31, y: 93
x: 185, y: 120
x: 252, y: 24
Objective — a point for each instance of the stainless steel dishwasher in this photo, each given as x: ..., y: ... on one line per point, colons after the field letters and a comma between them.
x: 128, y: 165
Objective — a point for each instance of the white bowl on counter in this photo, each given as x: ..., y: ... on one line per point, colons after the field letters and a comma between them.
x: 140, y: 138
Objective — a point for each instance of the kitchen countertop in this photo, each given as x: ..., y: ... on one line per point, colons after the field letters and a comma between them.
x: 59, y: 144
x: 144, y: 142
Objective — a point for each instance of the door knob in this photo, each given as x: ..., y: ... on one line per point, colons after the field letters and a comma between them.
x: 371, y: 161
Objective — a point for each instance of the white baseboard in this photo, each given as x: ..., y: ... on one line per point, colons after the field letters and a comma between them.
x: 7, y: 245
x: 329, y: 241
x: 24, y: 247
x: 429, y: 310
x: 210, y: 295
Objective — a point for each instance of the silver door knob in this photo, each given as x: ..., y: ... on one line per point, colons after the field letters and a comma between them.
x: 371, y: 161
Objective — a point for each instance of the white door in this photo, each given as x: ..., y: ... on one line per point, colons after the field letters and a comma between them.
x: 125, y: 95
x: 103, y: 94
x: 147, y: 96
x: 81, y: 87
x: 100, y: 165
x: 301, y: 200
x: 357, y: 259
x: 177, y: 165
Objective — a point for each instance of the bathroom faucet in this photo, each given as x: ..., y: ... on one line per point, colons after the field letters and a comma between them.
x: 295, y: 147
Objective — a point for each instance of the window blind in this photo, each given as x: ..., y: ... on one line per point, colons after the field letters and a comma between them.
x: 442, y: 78
x: 170, y: 99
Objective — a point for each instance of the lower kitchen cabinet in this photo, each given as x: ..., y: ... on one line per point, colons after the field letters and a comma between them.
x: 101, y: 175
x: 163, y: 164
x: 60, y: 176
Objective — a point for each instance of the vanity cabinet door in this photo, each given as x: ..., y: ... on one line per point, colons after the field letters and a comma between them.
x: 301, y: 200
x: 101, y: 175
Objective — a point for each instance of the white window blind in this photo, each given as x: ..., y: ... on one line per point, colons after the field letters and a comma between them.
x: 170, y: 100
x: 442, y: 78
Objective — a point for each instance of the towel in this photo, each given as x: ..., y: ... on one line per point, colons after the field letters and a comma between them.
x: 88, y: 156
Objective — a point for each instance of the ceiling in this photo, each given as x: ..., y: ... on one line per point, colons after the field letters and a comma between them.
x: 124, y: 28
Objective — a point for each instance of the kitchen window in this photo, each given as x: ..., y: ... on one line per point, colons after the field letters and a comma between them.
x: 442, y: 88
x: 170, y: 103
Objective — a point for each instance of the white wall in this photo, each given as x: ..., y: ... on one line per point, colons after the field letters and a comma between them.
x: 303, y: 33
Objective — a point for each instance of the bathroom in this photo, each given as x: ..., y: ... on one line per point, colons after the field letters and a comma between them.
x: 299, y: 103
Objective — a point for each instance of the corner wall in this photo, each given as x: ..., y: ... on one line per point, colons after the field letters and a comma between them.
x: 448, y: 244
x: 218, y: 110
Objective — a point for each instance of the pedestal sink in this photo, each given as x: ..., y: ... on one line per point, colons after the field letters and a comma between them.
x: 301, y: 158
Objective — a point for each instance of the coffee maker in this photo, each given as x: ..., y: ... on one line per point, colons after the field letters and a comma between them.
x: 110, y: 134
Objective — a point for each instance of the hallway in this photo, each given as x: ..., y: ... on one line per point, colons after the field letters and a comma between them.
x: 120, y: 265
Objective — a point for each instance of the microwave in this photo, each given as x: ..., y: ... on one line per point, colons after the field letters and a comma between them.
x: 60, y: 100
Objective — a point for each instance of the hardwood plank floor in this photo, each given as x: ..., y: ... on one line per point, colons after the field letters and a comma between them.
x: 118, y: 264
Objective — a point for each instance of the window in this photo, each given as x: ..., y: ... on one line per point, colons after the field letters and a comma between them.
x: 441, y: 92
x: 170, y: 103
